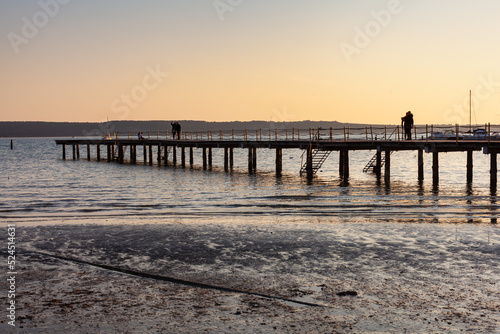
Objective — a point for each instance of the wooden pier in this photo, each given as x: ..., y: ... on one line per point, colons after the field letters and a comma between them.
x: 315, y: 149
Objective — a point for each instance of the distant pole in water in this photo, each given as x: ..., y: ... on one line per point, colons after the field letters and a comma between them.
x: 11, y: 144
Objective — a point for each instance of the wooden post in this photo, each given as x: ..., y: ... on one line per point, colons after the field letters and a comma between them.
x: 165, y: 155
x: 209, y: 158
x: 250, y: 160
x: 11, y: 144
x: 108, y: 146
x: 204, y: 158
x: 174, y: 155
x: 191, y: 160
x: 493, y: 171
x: 345, y: 172
x: 226, y: 159
x: 98, y: 149
x: 469, y: 166
x: 120, y: 153
x: 132, y: 154
x: 64, y: 151
x: 378, y: 166
x: 341, y: 163
x: 435, y: 168
x: 183, y: 157
x: 309, y: 163
x: 74, y: 152
x: 420, y: 165
x: 231, y: 157
x: 88, y: 152
x: 78, y: 151
x: 387, y: 171
x: 158, y: 155
x: 145, y: 154
x: 150, y: 153
x: 254, y: 156
x: 279, y: 161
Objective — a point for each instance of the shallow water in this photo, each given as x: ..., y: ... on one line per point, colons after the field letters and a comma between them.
x: 38, y: 186
x: 420, y: 258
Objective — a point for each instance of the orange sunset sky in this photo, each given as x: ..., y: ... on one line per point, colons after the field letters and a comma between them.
x: 224, y: 60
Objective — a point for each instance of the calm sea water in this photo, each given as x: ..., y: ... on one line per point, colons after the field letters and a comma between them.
x: 37, y: 186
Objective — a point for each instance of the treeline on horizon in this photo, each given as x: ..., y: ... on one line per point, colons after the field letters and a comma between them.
x: 81, y: 129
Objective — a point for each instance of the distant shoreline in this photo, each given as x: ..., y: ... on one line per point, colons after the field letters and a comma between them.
x: 16, y: 129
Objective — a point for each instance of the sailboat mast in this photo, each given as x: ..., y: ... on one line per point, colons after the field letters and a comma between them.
x: 470, y: 111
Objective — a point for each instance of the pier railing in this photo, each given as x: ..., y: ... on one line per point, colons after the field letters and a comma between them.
x: 372, y: 133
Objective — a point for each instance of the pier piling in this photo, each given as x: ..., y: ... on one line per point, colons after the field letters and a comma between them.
x: 191, y: 160
x: 279, y: 161
x: 378, y: 166
x: 420, y: 165
x: 226, y: 159
x: 150, y: 148
x: 387, y: 173
x: 493, y: 171
x: 204, y: 158
x: 209, y: 158
x: 435, y: 168
x: 183, y: 157
x: 469, y: 166
x: 250, y: 161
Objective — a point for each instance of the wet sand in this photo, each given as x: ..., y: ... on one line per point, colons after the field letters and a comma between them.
x: 356, y: 278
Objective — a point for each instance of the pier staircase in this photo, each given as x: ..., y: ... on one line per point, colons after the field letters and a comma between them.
x: 373, y: 163
x: 318, y: 158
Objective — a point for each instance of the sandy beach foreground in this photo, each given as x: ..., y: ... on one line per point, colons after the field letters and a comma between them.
x: 222, y: 277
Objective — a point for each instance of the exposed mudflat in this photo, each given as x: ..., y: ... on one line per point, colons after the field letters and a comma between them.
x: 357, y: 278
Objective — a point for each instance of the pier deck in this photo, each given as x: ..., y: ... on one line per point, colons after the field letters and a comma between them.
x: 115, y: 152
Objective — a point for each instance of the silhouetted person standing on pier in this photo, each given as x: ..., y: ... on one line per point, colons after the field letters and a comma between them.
x: 407, y: 124
x: 176, y: 130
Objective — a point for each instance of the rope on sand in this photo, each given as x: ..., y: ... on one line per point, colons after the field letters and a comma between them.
x: 174, y: 280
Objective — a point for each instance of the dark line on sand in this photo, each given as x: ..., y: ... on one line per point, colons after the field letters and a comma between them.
x: 174, y: 280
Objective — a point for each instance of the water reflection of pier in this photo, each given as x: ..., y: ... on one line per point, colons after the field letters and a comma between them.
x: 163, y: 151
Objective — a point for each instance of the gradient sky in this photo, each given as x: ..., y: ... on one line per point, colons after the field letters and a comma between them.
x: 224, y: 60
